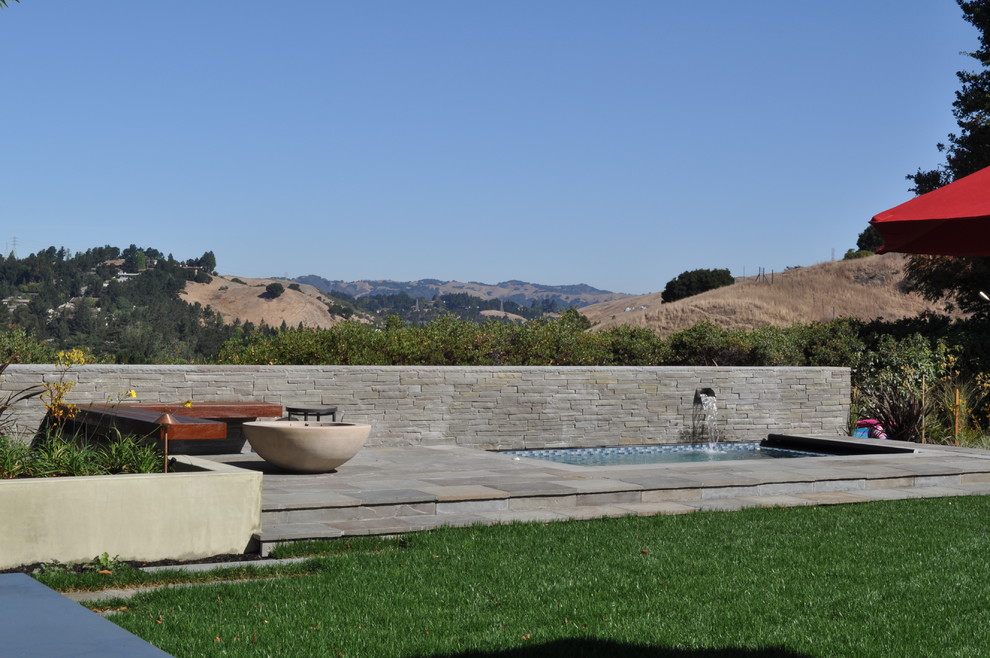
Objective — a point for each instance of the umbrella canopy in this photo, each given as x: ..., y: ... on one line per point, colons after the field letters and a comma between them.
x: 953, y: 220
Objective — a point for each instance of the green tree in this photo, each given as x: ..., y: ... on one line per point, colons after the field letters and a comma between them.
x: 273, y: 290
x: 957, y: 278
x: 694, y: 282
x: 135, y: 262
x: 869, y: 240
x: 968, y: 150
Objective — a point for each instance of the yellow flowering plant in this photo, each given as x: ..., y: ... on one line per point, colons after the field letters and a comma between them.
x: 54, y: 454
x: 121, y: 396
x: 55, y: 391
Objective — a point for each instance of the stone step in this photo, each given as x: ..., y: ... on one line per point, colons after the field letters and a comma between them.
x: 341, y: 511
x: 330, y: 528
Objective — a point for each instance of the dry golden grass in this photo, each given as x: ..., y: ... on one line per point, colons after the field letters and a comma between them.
x: 503, y: 315
x: 866, y: 288
x: 246, y: 301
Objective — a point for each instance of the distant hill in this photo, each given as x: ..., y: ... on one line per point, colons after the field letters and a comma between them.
x: 245, y: 299
x: 521, y: 292
x: 865, y: 288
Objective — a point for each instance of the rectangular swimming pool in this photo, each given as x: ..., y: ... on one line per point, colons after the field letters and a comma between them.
x: 661, y: 454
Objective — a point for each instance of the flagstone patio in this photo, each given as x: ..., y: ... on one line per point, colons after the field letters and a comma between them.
x: 408, y: 489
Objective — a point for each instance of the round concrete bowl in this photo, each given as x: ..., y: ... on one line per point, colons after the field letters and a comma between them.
x: 305, y: 446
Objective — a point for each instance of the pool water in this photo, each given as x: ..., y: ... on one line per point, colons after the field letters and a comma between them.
x: 660, y: 454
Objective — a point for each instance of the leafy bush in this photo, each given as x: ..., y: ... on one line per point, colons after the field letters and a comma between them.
x: 707, y: 344
x: 853, y: 254
x: 910, y: 362
x: 565, y: 340
x: 634, y: 346
x: 901, y: 378
x: 17, y: 346
x: 835, y: 343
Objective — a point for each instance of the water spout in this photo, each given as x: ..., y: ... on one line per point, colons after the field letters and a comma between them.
x: 704, y: 425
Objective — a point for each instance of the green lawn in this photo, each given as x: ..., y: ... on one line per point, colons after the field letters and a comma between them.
x: 907, y: 578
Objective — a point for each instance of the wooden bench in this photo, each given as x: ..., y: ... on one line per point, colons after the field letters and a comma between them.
x: 215, y: 410
x: 202, y: 420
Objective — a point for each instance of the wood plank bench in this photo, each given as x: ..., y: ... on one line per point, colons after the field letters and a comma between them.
x: 200, y: 421
x: 101, y: 418
x: 216, y: 410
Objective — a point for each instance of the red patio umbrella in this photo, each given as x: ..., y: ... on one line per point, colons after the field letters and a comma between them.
x: 953, y: 220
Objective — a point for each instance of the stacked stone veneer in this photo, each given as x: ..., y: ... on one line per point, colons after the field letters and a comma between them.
x: 491, y: 407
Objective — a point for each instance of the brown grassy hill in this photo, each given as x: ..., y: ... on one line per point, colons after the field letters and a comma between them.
x: 503, y: 315
x: 866, y: 288
x: 248, y: 302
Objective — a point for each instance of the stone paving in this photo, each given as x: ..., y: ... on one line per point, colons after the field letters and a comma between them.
x: 407, y: 489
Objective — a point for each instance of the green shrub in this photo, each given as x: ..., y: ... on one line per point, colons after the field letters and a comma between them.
x: 707, y: 344
x: 774, y: 346
x: 14, y: 458
x: 17, y: 346
x: 835, y: 343
x: 54, y: 456
x: 127, y: 454
x: 634, y: 346
x: 908, y: 362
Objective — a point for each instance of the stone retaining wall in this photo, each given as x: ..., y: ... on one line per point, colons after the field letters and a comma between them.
x: 492, y: 407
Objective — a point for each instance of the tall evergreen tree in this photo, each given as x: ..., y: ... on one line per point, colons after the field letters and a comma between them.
x: 968, y: 151
x: 961, y: 279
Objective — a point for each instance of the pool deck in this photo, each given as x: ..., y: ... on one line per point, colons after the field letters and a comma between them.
x: 384, y: 491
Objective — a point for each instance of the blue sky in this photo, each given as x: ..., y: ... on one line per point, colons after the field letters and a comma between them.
x: 610, y: 143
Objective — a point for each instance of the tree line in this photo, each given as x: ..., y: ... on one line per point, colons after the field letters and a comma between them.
x: 120, y: 305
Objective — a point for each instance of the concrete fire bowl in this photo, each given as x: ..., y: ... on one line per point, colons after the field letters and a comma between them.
x: 303, y: 446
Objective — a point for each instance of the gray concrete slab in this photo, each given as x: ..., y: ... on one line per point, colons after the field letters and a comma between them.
x: 40, y: 622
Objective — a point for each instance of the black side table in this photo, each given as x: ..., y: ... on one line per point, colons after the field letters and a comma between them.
x: 306, y: 412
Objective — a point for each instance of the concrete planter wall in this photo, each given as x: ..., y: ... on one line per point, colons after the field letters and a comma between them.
x: 208, y: 509
x: 495, y: 407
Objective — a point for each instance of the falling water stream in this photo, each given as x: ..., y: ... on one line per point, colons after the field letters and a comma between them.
x: 704, y: 426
